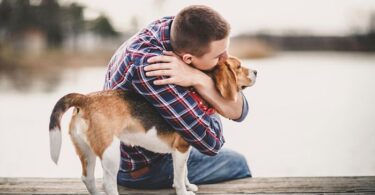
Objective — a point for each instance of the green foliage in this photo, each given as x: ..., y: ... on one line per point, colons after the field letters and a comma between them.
x: 103, y: 27
x: 48, y: 17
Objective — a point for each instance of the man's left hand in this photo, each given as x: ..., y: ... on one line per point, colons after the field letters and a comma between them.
x: 172, y: 66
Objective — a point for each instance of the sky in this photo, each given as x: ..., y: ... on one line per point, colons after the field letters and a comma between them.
x: 323, y: 17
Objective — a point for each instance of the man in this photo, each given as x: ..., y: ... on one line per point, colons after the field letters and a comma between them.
x: 175, y: 83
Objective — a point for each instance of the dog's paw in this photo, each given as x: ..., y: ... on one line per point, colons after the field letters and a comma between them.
x: 184, y: 192
x: 192, y: 187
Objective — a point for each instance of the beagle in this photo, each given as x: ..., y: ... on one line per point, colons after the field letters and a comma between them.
x: 102, y: 119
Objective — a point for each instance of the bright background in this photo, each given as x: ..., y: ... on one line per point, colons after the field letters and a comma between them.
x: 312, y: 113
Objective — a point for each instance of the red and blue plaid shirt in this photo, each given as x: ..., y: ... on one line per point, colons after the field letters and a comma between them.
x: 181, y: 107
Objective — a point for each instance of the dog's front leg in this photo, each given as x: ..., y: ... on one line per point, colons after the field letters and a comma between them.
x: 179, y: 164
x: 189, y: 186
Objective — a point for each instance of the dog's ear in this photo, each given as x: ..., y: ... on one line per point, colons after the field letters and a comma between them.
x: 225, y: 80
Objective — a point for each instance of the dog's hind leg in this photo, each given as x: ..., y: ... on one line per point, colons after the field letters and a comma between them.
x: 86, y: 155
x: 111, y: 166
x: 89, y: 179
x: 179, y: 175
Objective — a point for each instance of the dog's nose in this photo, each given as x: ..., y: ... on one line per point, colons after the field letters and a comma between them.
x: 255, y: 72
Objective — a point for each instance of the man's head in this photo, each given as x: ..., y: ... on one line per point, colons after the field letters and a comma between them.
x: 200, y: 35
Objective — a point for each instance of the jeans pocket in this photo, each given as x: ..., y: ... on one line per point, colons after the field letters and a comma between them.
x: 128, y: 177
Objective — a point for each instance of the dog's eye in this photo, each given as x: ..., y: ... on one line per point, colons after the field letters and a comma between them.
x: 239, y: 66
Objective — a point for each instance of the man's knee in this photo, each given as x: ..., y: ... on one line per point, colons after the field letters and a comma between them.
x: 237, y: 162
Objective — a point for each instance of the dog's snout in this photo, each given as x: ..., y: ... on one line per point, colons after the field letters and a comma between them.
x: 255, y: 72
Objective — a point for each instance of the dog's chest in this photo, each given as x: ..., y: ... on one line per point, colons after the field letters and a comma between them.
x: 148, y: 140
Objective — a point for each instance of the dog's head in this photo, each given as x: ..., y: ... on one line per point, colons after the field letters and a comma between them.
x: 230, y: 77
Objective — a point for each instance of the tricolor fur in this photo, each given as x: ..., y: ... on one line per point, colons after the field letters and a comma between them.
x: 102, y: 119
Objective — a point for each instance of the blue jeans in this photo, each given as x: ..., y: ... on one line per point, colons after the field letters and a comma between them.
x: 202, y: 169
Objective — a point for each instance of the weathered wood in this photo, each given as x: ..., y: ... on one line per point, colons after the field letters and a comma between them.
x: 282, y: 185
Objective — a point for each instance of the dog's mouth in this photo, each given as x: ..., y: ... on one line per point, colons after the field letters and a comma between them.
x: 248, y: 85
x: 247, y: 78
x: 248, y: 82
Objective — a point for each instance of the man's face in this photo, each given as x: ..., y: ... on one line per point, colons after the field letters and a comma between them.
x: 218, y: 51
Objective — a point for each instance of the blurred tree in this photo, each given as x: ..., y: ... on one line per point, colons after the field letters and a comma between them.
x: 22, y: 17
x: 103, y: 27
x: 5, y: 13
x: 5, y: 16
x: 75, y: 17
x: 372, y: 24
x: 371, y: 33
x: 50, y: 21
x: 73, y: 22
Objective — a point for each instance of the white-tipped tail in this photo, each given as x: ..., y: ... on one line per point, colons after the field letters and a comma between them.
x: 55, y: 143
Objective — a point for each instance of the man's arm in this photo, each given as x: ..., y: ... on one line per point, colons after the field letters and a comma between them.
x: 180, y: 109
x: 179, y: 73
x: 205, y: 86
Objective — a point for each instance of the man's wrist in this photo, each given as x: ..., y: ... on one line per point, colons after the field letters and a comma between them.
x: 200, y: 79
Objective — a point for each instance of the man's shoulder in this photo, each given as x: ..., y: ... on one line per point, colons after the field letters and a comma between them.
x: 146, y: 43
x: 138, y: 49
x: 156, y: 25
x: 152, y: 35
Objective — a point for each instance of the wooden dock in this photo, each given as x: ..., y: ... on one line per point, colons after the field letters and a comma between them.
x: 277, y: 185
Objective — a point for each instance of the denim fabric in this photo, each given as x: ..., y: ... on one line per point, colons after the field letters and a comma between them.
x: 202, y: 169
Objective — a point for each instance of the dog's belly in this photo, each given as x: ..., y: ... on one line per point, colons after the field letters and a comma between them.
x: 148, y: 140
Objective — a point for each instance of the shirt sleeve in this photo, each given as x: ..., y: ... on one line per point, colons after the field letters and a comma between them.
x: 245, y: 109
x: 182, y: 111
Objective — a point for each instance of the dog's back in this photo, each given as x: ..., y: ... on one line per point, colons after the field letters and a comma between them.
x: 102, y: 115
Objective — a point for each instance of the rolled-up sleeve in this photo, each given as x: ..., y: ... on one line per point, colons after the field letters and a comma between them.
x: 181, y: 110
x: 245, y: 109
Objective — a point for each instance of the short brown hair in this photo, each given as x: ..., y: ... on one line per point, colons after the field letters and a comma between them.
x: 195, y: 27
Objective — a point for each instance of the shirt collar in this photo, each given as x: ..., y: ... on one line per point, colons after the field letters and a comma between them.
x: 165, y: 33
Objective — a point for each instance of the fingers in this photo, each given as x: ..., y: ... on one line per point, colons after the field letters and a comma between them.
x: 168, y: 56
x: 159, y: 73
x: 161, y: 58
x: 159, y: 66
x: 164, y: 81
x: 164, y: 67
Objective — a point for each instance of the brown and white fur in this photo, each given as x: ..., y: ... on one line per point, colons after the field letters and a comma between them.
x: 102, y: 119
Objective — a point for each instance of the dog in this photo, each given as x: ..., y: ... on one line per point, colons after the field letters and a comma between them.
x: 102, y: 119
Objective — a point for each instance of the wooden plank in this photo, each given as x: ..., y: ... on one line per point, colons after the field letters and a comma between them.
x: 281, y: 185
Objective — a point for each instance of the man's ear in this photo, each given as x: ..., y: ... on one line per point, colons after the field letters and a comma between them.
x: 225, y: 81
x: 187, y: 58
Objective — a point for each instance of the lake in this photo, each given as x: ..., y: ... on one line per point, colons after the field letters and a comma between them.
x: 311, y: 114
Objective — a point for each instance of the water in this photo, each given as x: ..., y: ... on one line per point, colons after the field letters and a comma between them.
x: 312, y: 114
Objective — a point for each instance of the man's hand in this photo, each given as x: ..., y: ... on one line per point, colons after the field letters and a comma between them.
x: 172, y: 66
x: 185, y: 75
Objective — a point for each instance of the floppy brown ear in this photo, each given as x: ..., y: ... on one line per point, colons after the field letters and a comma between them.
x: 225, y: 81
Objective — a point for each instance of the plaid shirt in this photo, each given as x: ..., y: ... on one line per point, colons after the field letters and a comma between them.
x: 181, y: 107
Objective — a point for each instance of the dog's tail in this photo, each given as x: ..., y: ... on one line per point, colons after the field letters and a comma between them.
x: 69, y: 100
